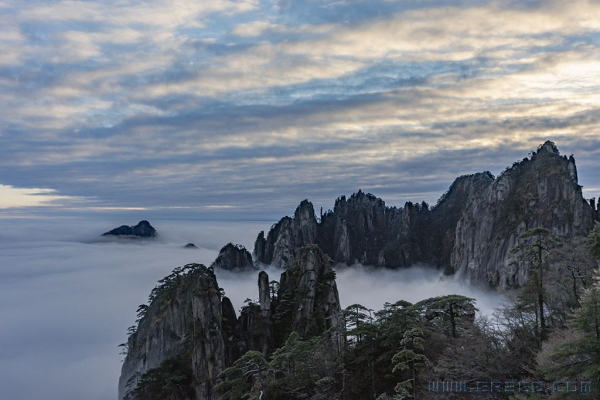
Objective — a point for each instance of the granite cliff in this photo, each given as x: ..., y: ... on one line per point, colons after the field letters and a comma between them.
x: 287, y: 235
x: 190, y: 322
x: 469, y: 231
x: 234, y: 257
x: 539, y: 192
x: 362, y: 229
x: 185, y: 320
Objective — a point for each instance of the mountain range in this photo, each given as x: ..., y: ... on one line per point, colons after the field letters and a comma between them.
x: 189, y: 329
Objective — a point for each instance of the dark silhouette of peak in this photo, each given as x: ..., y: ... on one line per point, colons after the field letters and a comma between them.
x: 143, y: 230
x: 540, y: 190
x: 234, y: 257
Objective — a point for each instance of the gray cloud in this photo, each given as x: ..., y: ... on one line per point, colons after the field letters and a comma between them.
x: 238, y: 110
x: 270, y: 103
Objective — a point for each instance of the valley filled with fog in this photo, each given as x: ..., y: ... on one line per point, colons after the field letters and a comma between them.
x: 67, y: 295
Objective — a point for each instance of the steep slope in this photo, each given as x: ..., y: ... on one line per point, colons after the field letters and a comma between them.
x: 469, y: 231
x: 449, y: 210
x: 184, y: 319
x: 362, y: 229
x: 538, y: 192
x: 190, y: 321
x: 234, y: 257
x: 287, y: 235
x: 307, y: 300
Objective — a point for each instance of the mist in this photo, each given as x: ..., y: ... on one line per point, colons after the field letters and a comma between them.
x: 372, y: 287
x: 68, y: 295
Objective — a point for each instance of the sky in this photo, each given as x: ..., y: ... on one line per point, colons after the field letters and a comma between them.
x: 241, y: 109
x: 67, y: 296
x: 178, y: 111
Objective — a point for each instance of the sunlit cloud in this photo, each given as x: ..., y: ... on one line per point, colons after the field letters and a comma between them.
x: 11, y: 197
x: 251, y: 29
x: 126, y: 97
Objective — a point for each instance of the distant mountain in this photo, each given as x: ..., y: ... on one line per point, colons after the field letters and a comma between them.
x: 234, y: 257
x: 143, y: 230
x: 469, y: 231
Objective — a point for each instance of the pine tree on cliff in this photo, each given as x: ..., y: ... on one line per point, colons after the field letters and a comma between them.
x: 577, y: 355
x: 410, y: 358
x: 534, y: 245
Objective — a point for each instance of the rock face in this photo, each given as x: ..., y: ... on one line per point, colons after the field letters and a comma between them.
x: 189, y: 318
x: 311, y: 283
x: 449, y: 210
x: 187, y: 305
x: 143, y: 230
x: 362, y: 229
x: 469, y: 231
x: 538, y: 192
x: 358, y: 229
x: 287, y: 235
x: 234, y: 257
x: 255, y: 322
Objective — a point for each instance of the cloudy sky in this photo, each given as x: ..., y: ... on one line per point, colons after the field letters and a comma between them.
x: 249, y: 106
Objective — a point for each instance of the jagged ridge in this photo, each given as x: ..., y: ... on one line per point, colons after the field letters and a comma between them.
x: 470, y: 230
x: 363, y: 229
x: 538, y: 192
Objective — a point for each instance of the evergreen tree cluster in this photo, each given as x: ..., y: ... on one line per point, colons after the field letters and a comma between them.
x: 548, y: 331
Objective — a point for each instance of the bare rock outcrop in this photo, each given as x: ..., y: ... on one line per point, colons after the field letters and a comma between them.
x: 538, y: 192
x: 256, y: 324
x: 234, y: 257
x: 362, y: 229
x: 184, y: 319
x: 307, y: 300
x: 287, y: 235
x: 470, y: 230
x: 189, y: 319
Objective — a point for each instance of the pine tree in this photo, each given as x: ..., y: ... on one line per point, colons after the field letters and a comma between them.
x: 533, y: 245
x: 577, y: 355
x: 245, y: 378
x: 410, y: 358
x: 447, y: 313
x: 594, y: 238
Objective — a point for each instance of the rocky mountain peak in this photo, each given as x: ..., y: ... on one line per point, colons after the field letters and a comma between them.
x: 549, y: 147
x: 183, y: 321
x: 361, y: 228
x: 307, y: 299
x: 304, y: 227
x: 538, y: 192
x: 188, y: 319
x: 234, y: 257
x: 287, y: 235
x: 143, y: 230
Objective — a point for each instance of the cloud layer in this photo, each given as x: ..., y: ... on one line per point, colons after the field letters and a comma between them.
x: 188, y: 105
x: 68, y: 296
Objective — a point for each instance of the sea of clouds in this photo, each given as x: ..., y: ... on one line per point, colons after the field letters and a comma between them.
x: 67, y: 296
